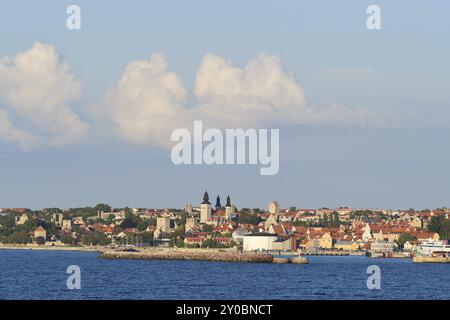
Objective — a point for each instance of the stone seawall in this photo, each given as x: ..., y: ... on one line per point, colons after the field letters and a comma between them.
x: 186, y: 255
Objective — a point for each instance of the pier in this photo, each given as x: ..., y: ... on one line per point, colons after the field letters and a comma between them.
x: 202, y: 255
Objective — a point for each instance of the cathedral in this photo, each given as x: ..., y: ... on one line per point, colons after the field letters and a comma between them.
x: 219, y: 215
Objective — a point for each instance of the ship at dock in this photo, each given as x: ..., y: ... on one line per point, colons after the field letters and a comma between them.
x: 433, y: 252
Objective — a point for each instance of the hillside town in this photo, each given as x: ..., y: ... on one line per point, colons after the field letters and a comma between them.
x: 311, y: 231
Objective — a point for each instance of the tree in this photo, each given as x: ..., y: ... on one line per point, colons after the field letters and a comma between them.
x: 403, y: 238
x: 247, y: 217
x: 127, y: 223
x: 440, y: 225
x: 299, y: 223
x: 336, y: 220
x: 95, y: 238
x: 207, y: 228
x: 146, y: 237
x: 40, y: 240
x: 209, y: 243
x: 103, y: 207
x: 142, y: 225
x: 67, y: 239
x: 435, y: 223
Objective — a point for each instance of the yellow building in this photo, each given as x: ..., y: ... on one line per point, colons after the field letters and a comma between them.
x: 416, y: 223
x: 346, y: 245
x: 326, y: 242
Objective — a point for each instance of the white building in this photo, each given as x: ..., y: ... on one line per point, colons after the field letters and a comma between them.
x: 259, y: 241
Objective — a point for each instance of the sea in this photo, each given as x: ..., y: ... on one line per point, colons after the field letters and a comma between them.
x: 33, y: 274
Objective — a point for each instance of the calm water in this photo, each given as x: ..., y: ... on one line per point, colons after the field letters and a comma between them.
x: 42, y: 275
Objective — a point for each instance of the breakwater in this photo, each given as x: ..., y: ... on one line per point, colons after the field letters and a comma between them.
x: 206, y: 255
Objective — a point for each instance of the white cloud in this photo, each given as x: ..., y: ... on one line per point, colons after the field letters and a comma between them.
x: 14, y: 135
x: 262, y: 91
x: 37, y: 88
x: 147, y: 102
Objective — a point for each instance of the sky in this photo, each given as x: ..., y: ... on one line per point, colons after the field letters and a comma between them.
x: 86, y: 115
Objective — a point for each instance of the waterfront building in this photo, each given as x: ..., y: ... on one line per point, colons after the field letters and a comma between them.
x: 205, y: 209
x: 259, y: 241
x: 346, y: 245
x: 383, y: 246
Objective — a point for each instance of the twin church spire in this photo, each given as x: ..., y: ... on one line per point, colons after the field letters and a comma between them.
x: 218, y: 205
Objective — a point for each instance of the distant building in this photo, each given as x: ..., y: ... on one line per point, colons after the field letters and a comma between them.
x: 67, y: 224
x: 188, y: 209
x: 218, y: 206
x: 259, y: 241
x: 40, y: 232
x: 22, y: 219
x: 191, y: 223
x: 383, y: 246
x: 205, y: 209
x: 229, y: 209
x: 346, y: 245
x: 270, y: 221
x: 326, y: 242
x: 274, y: 208
x: 163, y: 224
x: 57, y: 218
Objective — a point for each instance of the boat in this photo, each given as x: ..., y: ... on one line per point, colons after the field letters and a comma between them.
x: 427, y: 248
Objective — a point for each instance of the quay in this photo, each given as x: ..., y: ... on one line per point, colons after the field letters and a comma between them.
x: 187, y: 254
x: 214, y: 255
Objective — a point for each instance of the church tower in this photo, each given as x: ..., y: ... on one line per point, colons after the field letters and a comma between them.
x: 205, y: 209
x: 229, y: 209
x: 218, y: 205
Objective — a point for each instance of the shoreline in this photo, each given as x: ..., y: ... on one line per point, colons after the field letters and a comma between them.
x: 49, y: 248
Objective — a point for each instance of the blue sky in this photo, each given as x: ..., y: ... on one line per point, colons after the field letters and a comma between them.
x: 399, y: 73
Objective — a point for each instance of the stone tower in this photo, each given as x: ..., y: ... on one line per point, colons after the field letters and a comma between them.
x: 274, y: 208
x: 205, y: 209
x: 229, y: 209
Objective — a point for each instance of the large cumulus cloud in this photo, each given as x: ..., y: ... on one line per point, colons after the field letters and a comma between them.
x: 37, y: 89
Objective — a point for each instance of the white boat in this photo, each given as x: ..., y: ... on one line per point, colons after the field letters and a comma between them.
x: 427, y: 248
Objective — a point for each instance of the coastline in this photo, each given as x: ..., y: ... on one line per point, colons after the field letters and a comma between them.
x: 50, y: 248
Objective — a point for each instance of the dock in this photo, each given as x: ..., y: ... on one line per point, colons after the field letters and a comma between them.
x: 198, y: 255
